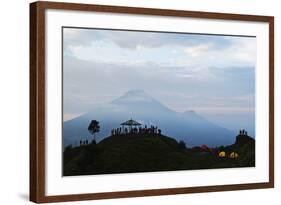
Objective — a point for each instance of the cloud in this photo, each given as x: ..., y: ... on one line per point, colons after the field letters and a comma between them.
x: 79, y: 37
x: 244, y: 50
x: 209, y: 73
x: 197, y: 50
x: 170, y: 49
x: 88, y: 85
x: 138, y: 39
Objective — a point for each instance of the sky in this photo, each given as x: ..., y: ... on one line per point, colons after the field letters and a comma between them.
x: 212, y: 75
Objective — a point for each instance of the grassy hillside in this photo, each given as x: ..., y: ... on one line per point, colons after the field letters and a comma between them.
x: 147, y: 153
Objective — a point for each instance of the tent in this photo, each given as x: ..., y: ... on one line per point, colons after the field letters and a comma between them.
x: 222, y: 154
x: 233, y: 155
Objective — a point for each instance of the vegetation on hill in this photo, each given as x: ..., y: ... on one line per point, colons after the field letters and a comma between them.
x: 151, y: 152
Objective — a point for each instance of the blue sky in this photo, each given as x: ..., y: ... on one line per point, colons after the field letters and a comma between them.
x: 210, y: 74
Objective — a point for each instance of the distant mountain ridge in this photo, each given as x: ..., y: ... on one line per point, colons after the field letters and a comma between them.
x: 190, y: 127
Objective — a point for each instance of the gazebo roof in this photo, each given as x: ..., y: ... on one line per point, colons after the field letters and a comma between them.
x: 131, y: 122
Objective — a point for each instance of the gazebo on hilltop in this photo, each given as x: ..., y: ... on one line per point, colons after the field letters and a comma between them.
x: 131, y: 124
x: 133, y: 127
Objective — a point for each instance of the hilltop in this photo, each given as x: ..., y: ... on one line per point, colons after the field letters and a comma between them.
x: 150, y: 152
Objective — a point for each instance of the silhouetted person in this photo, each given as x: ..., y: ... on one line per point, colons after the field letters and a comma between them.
x: 80, y: 143
x: 159, y: 131
x: 240, y: 132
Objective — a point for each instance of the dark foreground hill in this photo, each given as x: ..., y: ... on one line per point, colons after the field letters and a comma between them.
x: 148, y: 153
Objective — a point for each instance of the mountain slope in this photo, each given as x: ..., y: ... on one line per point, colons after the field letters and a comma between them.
x: 136, y: 104
x: 147, y: 153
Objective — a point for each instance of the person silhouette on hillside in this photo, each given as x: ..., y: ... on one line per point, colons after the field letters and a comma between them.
x: 159, y: 131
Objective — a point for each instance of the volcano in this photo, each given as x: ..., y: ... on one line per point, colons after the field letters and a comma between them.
x: 188, y: 126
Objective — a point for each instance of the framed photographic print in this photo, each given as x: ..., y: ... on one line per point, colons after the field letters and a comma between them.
x: 128, y: 102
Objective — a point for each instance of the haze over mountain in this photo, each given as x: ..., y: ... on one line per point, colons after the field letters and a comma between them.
x: 138, y: 105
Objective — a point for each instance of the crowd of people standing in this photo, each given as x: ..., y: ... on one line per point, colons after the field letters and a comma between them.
x: 136, y: 130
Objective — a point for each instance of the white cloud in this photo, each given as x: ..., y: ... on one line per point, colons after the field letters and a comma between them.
x: 244, y: 50
x: 197, y: 50
x: 189, y: 50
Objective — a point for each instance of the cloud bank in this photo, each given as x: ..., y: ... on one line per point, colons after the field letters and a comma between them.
x: 208, y: 73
